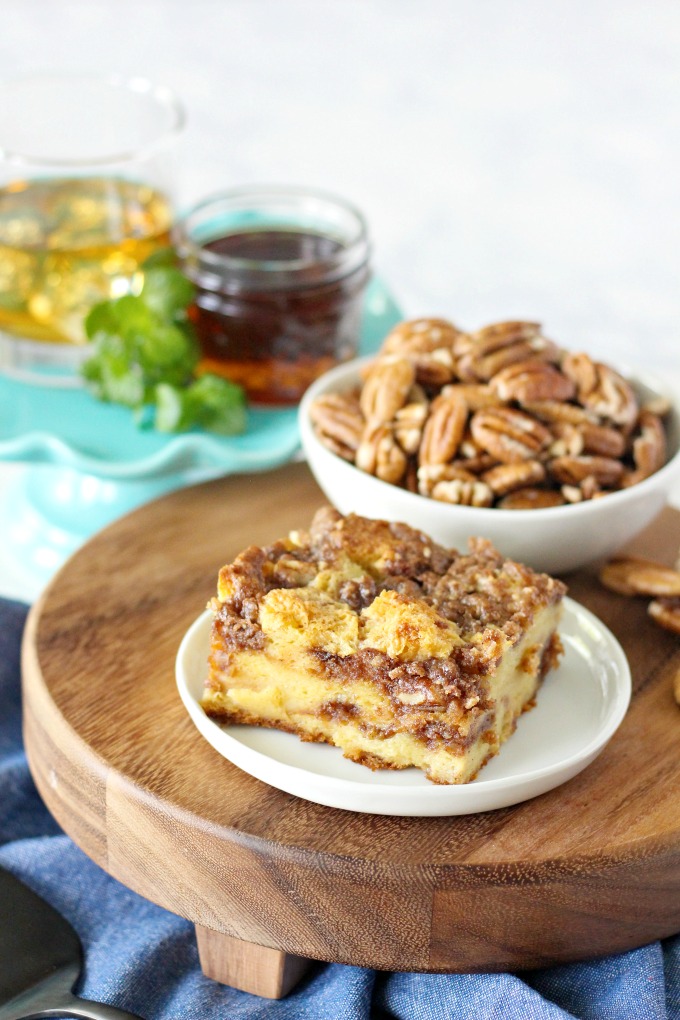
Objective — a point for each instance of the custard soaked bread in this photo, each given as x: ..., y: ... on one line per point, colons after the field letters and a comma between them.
x: 369, y: 636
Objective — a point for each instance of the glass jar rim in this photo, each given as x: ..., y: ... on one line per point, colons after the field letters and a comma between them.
x: 352, y: 254
x: 164, y: 96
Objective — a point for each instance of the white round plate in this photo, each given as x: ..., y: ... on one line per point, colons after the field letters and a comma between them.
x: 579, y: 706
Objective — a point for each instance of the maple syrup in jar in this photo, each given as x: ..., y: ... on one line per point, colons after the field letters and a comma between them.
x: 280, y: 275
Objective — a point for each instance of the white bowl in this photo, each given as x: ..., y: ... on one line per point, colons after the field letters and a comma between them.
x: 554, y: 539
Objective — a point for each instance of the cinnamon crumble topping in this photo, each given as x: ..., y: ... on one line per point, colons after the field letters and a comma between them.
x: 479, y: 602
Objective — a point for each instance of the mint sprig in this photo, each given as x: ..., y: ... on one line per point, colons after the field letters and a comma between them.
x: 145, y: 355
x: 210, y: 402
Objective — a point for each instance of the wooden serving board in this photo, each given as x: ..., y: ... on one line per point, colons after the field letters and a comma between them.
x: 271, y: 881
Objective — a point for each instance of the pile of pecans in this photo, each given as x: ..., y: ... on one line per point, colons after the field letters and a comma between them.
x: 631, y: 575
x: 502, y: 417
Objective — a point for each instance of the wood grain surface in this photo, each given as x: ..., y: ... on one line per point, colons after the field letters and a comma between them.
x: 590, y: 868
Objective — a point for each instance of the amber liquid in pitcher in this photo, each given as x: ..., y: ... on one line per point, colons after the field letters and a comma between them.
x: 67, y: 243
x: 276, y: 341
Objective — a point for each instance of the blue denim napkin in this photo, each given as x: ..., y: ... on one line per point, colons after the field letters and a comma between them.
x: 144, y: 959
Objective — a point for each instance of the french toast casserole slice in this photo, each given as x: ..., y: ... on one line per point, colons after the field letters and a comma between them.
x: 368, y: 635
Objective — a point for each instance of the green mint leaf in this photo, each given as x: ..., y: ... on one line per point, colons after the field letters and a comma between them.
x: 124, y: 388
x: 144, y: 354
x: 164, y: 353
x: 210, y: 402
x: 102, y: 318
x: 166, y: 291
x: 170, y: 412
x: 222, y: 402
x: 129, y: 338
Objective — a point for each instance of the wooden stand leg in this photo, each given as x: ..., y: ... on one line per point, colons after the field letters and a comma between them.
x: 259, y: 970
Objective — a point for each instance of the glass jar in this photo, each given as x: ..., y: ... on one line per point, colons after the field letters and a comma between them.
x: 280, y: 275
x: 86, y: 192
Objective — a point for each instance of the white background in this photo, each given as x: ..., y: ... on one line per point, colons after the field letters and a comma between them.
x: 512, y: 158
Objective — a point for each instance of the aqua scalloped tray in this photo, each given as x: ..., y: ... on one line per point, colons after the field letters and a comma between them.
x: 66, y: 426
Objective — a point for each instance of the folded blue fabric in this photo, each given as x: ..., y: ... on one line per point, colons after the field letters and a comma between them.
x: 144, y: 959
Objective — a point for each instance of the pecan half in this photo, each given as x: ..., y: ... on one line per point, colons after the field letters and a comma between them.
x: 606, y: 471
x: 602, y: 440
x: 444, y: 429
x: 531, y: 499
x: 602, y: 390
x: 338, y: 422
x: 494, y: 347
x: 409, y: 422
x: 631, y: 575
x: 475, y: 395
x: 379, y: 454
x: 506, y: 478
x: 582, y: 370
x: 587, y: 488
x: 417, y: 336
x: 475, y: 464
x: 614, y: 398
x: 434, y: 369
x: 666, y: 612
x: 572, y: 493
x: 471, y: 450
x: 532, y: 380
x: 649, y: 448
x: 463, y: 493
x: 553, y: 412
x: 508, y: 331
x: 386, y: 388
x: 510, y: 435
x: 568, y: 441
x: 430, y: 475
